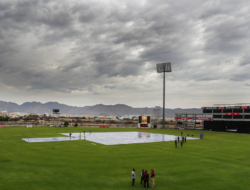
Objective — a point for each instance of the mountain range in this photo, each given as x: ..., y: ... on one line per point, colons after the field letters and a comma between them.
x: 97, y: 110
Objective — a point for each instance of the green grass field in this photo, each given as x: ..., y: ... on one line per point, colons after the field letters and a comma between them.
x: 211, y: 163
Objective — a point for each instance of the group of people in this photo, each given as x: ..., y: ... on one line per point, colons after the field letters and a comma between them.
x: 80, y: 135
x: 144, y: 178
x: 183, y: 140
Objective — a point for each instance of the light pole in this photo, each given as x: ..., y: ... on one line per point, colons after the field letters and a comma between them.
x: 163, y: 68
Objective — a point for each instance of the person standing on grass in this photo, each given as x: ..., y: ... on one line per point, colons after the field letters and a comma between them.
x: 70, y: 135
x: 152, y: 177
x: 142, y: 176
x: 146, y: 179
x: 133, y: 177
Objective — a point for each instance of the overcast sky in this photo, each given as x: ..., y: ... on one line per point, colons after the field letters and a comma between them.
x: 90, y: 52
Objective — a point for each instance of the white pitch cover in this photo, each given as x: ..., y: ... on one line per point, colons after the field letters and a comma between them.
x: 111, y: 138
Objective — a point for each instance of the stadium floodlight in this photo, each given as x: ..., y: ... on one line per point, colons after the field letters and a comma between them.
x: 163, y: 68
x: 56, y: 111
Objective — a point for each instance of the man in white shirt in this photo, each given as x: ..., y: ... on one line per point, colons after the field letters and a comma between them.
x: 133, y: 177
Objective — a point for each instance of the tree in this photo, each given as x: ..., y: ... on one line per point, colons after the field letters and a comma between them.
x: 75, y: 125
x: 66, y: 124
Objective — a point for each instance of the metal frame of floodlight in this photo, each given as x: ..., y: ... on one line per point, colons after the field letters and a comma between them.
x: 163, y: 68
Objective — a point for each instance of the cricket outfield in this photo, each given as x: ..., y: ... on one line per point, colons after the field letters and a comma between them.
x: 219, y: 161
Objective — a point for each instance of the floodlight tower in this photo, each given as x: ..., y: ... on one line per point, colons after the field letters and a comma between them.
x: 56, y: 112
x: 163, y: 68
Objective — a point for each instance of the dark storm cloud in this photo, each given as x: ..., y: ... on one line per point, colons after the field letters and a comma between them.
x: 72, y: 45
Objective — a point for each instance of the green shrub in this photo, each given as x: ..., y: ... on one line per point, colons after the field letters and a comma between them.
x: 66, y: 124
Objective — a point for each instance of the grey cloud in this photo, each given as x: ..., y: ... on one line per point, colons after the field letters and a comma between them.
x: 241, y: 77
x: 245, y: 60
x: 95, y: 44
x: 110, y: 86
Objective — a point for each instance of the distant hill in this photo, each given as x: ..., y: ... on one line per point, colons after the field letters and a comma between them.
x: 99, y: 109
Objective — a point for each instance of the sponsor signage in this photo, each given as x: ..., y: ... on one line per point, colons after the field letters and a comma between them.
x: 144, y: 127
x: 221, y: 108
x: 244, y: 107
x: 2, y: 126
x: 232, y: 113
x: 103, y: 126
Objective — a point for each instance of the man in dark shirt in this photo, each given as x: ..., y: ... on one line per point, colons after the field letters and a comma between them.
x: 142, y: 176
x: 146, y: 178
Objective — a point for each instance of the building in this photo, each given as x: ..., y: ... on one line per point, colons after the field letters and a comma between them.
x: 229, y: 118
x: 13, y: 115
x: 4, y: 113
x: 103, y: 117
x: 221, y: 117
x: 228, y: 112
